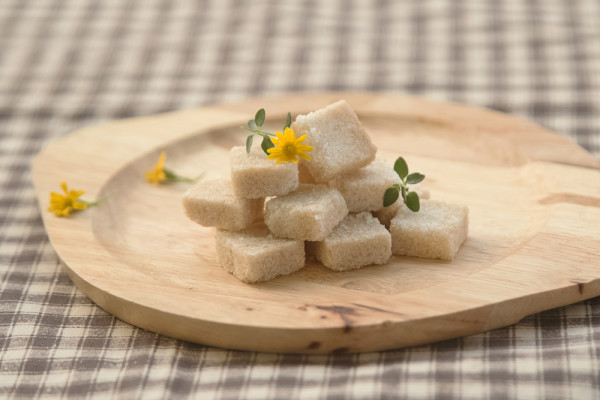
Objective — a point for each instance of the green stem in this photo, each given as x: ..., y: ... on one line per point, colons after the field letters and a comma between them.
x: 93, y: 203
x: 173, y: 177
x: 182, y: 179
x: 261, y: 132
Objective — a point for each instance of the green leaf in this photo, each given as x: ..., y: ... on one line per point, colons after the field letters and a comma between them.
x: 249, y: 143
x: 401, y: 168
x: 414, y: 178
x: 412, y: 201
x: 266, y: 144
x: 288, y: 121
x: 252, y: 125
x: 390, y: 196
x: 259, y: 118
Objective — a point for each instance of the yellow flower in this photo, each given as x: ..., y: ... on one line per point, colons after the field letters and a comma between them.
x: 160, y: 174
x: 157, y: 175
x: 287, y: 147
x: 61, y: 205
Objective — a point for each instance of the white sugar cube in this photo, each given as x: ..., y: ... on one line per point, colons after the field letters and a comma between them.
x: 213, y: 203
x: 340, y: 142
x: 254, y: 255
x: 436, y: 231
x: 254, y: 176
x: 309, y: 213
x: 357, y: 241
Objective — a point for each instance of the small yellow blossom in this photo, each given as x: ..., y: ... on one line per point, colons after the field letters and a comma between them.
x: 287, y: 147
x: 160, y: 174
x: 157, y: 175
x: 62, y: 205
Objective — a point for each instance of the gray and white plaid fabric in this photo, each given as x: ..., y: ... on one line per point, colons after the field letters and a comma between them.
x: 67, y: 64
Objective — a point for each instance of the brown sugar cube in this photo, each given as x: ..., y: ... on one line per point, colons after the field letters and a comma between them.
x: 436, y: 231
x: 309, y: 213
x: 357, y: 241
x: 213, y: 203
x: 340, y: 142
x: 254, y: 176
x: 363, y: 189
x: 386, y: 214
x: 254, y: 255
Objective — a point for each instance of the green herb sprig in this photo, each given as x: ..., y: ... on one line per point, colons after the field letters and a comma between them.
x: 411, y: 199
x: 255, y: 126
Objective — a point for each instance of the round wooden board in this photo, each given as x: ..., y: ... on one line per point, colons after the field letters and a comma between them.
x: 534, y: 200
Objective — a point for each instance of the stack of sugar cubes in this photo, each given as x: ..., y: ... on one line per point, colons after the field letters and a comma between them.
x: 268, y: 215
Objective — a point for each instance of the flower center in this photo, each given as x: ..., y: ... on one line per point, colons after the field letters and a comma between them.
x: 289, y: 150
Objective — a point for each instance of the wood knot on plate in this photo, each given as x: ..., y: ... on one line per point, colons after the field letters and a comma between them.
x: 341, y: 350
x: 580, y: 285
x: 314, y: 345
x: 344, y: 312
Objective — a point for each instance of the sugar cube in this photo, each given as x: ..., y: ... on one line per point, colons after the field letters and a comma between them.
x: 254, y: 255
x: 340, y: 142
x: 357, y: 241
x: 254, y: 176
x: 436, y: 231
x: 213, y: 203
x: 309, y: 213
x: 363, y: 188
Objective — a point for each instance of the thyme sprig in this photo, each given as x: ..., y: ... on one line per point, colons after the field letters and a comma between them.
x: 411, y: 199
x: 255, y: 126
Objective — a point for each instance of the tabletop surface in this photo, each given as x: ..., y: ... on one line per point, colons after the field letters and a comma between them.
x: 68, y: 64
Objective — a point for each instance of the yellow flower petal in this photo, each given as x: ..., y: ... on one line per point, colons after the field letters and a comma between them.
x: 161, y: 161
x: 157, y: 174
x: 75, y: 194
x: 80, y: 205
x: 301, y: 139
x: 304, y: 147
x: 290, y: 134
x: 288, y: 148
x: 305, y: 156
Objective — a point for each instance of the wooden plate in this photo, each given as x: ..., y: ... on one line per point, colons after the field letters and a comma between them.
x: 534, y: 200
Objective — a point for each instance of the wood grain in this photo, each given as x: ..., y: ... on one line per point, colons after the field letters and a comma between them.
x: 534, y: 200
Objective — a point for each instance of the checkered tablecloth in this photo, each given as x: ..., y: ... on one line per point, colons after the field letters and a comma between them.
x: 68, y: 64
